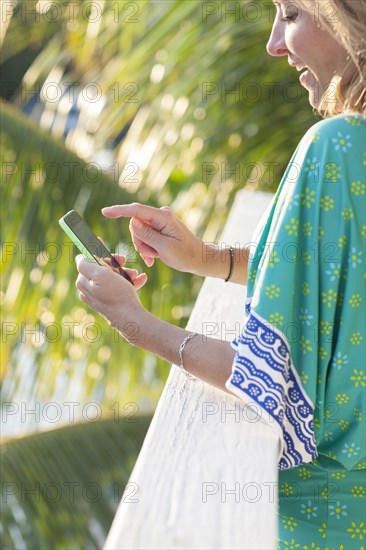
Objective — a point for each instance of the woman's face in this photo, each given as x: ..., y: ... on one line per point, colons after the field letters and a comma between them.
x: 297, y: 35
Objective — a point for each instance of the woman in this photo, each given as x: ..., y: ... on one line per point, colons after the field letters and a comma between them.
x: 300, y: 354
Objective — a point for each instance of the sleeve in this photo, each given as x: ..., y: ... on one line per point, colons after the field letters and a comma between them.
x: 306, y: 271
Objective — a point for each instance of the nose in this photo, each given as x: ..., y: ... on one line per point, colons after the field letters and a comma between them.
x: 276, y: 44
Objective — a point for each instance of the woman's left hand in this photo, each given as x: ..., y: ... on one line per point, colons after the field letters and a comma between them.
x: 109, y: 293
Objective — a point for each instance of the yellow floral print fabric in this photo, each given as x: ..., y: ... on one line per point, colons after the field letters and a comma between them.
x: 301, y: 356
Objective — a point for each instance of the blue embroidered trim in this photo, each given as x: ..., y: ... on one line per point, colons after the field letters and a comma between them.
x: 263, y: 370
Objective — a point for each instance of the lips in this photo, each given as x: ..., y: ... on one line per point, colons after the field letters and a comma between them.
x: 298, y: 67
x: 306, y: 77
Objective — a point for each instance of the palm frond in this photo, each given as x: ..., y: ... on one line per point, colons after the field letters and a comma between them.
x: 192, y: 109
x: 63, y: 487
x: 51, y: 343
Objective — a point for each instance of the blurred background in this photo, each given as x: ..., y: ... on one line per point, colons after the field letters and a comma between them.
x: 165, y: 102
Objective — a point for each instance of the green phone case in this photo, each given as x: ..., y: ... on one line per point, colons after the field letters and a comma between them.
x: 76, y: 241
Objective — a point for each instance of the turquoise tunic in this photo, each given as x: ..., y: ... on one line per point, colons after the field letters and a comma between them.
x: 301, y: 355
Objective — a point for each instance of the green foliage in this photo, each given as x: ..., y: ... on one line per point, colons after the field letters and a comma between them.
x: 70, y: 344
x: 165, y: 70
x: 204, y: 112
x: 63, y: 487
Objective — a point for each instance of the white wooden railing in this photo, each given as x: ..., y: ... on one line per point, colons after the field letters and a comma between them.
x: 206, y: 476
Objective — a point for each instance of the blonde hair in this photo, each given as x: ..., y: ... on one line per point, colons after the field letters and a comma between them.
x: 346, y: 21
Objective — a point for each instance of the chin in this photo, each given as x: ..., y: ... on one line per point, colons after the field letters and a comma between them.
x: 314, y: 103
x: 315, y: 95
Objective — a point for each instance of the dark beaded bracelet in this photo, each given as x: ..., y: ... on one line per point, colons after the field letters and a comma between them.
x: 231, y: 264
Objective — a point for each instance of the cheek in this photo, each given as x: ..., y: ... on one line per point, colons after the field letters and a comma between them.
x: 300, y: 42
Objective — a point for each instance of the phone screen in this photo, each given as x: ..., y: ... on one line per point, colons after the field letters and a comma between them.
x: 88, y: 243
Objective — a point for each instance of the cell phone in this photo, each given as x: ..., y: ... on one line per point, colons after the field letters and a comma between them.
x: 88, y: 243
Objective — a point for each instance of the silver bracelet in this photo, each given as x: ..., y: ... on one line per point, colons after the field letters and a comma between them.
x: 181, y: 349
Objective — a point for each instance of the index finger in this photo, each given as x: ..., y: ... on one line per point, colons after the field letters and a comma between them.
x: 155, y: 216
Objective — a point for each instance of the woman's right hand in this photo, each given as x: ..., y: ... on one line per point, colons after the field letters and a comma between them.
x: 159, y: 233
